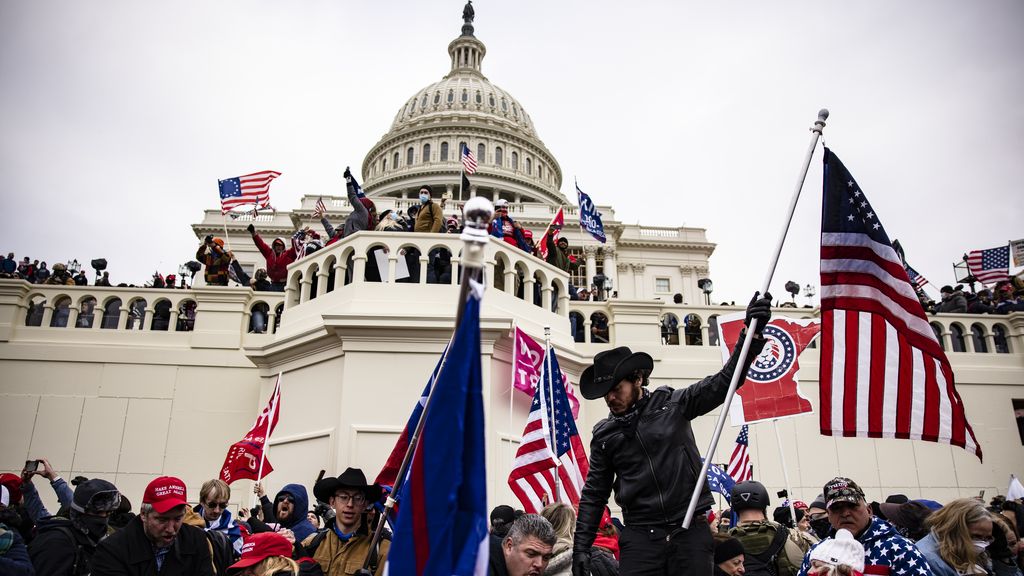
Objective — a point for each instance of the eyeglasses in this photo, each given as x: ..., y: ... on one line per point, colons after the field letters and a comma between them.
x: 356, y: 499
x: 218, y: 505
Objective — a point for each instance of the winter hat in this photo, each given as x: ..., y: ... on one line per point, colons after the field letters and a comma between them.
x: 844, y: 549
x: 96, y: 495
x: 503, y: 514
x: 727, y: 549
x: 5, y: 495
x: 261, y: 546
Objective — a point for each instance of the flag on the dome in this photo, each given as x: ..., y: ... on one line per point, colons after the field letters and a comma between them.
x: 590, y: 218
x: 249, y: 189
x: 468, y: 160
x: 883, y: 373
x: 351, y: 181
x: 991, y: 265
x: 740, y: 468
x: 553, y: 230
x: 551, y: 464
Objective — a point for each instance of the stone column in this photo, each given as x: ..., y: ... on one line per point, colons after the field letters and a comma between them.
x: 147, y: 322
x: 510, y: 279
x: 528, y: 283
x: 687, y: 285
x: 622, y: 268
x: 545, y: 297
x: 339, y: 273
x: 358, y: 268
x: 609, y: 267
x: 171, y: 327
x: 591, y: 255
x: 122, y: 318
x: 638, y: 280
x: 289, y: 295
x: 307, y: 284
x: 271, y: 317
x: 321, y: 284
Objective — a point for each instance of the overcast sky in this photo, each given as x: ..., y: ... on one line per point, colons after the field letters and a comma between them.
x: 118, y: 116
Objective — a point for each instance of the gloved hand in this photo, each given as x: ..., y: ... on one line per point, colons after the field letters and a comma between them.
x: 581, y: 563
x: 208, y: 239
x: 348, y: 174
x: 251, y: 229
x: 760, y: 308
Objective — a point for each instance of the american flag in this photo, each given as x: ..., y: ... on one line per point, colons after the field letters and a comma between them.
x: 468, y: 160
x: 883, y: 373
x: 249, y: 189
x: 990, y: 266
x: 916, y: 279
x: 321, y: 208
x: 533, y: 471
x: 740, y: 468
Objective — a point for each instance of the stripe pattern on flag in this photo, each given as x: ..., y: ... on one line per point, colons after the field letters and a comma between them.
x: 990, y: 266
x: 249, y: 189
x: 468, y: 160
x: 545, y: 453
x: 740, y: 469
x: 883, y: 372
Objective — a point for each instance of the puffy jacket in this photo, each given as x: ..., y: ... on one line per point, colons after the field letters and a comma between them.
x: 277, y: 266
x: 128, y: 552
x: 653, y: 469
x: 429, y: 218
x: 885, y: 552
x: 15, y: 561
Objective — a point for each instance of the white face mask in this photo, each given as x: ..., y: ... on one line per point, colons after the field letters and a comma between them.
x: 424, y: 198
x: 980, y: 545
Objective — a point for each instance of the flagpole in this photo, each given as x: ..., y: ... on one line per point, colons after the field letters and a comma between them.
x: 785, y: 471
x: 816, y: 130
x: 551, y: 403
x: 477, y: 214
x: 227, y: 239
x: 266, y: 439
x: 512, y: 388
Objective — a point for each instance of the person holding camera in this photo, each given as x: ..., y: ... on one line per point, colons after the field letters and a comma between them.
x: 215, y: 260
x: 646, y: 452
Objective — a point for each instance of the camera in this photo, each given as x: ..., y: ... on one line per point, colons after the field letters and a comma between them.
x: 31, y: 465
x: 782, y: 494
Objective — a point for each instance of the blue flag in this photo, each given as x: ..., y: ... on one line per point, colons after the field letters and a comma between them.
x: 719, y: 481
x: 590, y: 218
x: 443, y: 519
x: 351, y: 181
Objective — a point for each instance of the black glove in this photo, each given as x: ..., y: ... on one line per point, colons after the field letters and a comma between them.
x: 760, y: 308
x: 348, y: 174
x: 251, y: 229
x: 581, y: 563
x: 209, y: 238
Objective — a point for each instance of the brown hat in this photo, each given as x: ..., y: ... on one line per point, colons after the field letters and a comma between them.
x: 609, y: 368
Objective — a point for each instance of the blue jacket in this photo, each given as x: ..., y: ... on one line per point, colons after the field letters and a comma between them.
x: 884, y: 548
x: 297, y: 523
x: 930, y: 548
x: 15, y: 561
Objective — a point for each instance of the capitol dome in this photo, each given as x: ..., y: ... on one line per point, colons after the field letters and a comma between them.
x: 424, y: 142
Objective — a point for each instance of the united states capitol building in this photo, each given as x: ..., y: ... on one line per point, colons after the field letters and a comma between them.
x: 128, y: 384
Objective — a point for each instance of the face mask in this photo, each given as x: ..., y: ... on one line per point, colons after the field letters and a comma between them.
x: 391, y: 215
x: 424, y: 198
x: 821, y: 527
x: 980, y: 545
x: 96, y: 526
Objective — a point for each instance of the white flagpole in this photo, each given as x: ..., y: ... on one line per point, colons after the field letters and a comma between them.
x: 266, y: 437
x: 512, y: 388
x: 819, y: 125
x: 785, y: 471
x: 551, y: 404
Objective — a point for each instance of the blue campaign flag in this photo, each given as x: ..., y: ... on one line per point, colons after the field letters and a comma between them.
x: 719, y: 481
x: 590, y: 218
x: 443, y: 518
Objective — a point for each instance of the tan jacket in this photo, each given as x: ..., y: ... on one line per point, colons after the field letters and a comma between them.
x: 337, y: 558
x: 430, y: 218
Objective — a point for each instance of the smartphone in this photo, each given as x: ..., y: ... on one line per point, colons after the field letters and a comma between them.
x: 31, y: 465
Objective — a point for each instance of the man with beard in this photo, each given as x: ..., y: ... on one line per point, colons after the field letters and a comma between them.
x: 65, y: 546
x: 345, y: 541
x: 288, y: 509
x: 156, y: 541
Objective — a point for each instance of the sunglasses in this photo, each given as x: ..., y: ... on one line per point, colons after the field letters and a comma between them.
x: 284, y: 498
x: 218, y: 505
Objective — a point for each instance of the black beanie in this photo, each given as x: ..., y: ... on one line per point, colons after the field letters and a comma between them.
x: 727, y: 549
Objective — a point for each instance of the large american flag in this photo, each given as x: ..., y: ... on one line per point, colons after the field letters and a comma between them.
x: 537, y: 461
x: 249, y: 189
x: 883, y: 372
x: 468, y: 160
x: 740, y: 468
x: 990, y: 266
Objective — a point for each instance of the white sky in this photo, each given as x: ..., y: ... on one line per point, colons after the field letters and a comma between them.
x: 118, y: 116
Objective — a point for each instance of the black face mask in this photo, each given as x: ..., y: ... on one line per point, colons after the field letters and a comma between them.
x: 95, y: 526
x: 821, y: 527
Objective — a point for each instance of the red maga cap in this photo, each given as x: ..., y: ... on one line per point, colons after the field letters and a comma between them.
x: 164, y: 493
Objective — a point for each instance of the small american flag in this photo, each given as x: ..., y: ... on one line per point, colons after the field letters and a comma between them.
x: 321, y: 208
x: 740, y: 468
x: 249, y: 189
x: 916, y: 279
x: 533, y: 471
x: 468, y: 160
x: 990, y: 266
x: 882, y: 373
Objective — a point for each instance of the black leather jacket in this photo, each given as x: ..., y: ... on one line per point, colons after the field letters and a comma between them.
x: 654, y: 469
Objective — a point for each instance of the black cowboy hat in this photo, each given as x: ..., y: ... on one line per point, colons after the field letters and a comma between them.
x: 610, y: 367
x: 352, y: 478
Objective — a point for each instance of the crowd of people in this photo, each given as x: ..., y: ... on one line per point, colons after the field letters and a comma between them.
x: 1007, y: 296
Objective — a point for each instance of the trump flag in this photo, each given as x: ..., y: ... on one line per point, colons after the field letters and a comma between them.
x: 771, y: 389
x: 246, y: 459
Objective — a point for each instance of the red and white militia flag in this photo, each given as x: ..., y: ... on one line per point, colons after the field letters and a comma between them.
x: 244, y: 457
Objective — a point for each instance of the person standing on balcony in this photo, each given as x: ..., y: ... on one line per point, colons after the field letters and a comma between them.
x: 278, y: 256
x: 215, y: 259
x: 645, y: 451
x: 430, y: 217
x: 504, y: 227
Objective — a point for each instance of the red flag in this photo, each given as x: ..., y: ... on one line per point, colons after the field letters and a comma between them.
x: 771, y: 389
x: 527, y: 362
x: 245, y: 456
x: 553, y: 230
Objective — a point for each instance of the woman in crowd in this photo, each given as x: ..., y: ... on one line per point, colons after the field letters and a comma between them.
x: 604, y: 556
x: 563, y: 520
x: 960, y: 533
x: 728, y: 556
x: 1005, y: 547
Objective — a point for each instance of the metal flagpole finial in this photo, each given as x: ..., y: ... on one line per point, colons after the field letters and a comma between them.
x: 819, y: 124
x: 477, y: 213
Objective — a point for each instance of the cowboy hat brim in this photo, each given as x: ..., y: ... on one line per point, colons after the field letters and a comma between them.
x: 593, y: 387
x: 326, y: 487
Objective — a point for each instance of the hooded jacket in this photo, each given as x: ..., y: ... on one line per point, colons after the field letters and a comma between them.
x: 885, y: 552
x: 297, y: 522
x: 277, y: 266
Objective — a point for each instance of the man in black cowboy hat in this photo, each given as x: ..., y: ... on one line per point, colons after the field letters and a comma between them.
x: 343, y: 543
x: 646, y: 452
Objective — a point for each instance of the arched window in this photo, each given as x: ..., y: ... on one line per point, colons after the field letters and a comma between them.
x: 479, y: 97
x: 598, y: 328
x: 540, y: 171
x: 978, y: 335
x: 670, y: 330
x: 437, y: 97
x: 36, y: 307
x: 451, y: 96
x: 498, y: 156
x: 384, y: 165
x: 162, y: 315
x: 529, y: 166
x: 409, y: 156
x: 691, y: 330
x: 423, y: 102
x: 937, y: 329
x: 259, y: 313
x: 136, y: 314
x: 86, y: 313
x: 515, y: 160
x: 958, y: 338
x: 186, y: 316
x: 394, y: 161
x: 111, y: 312
x: 426, y: 153
x: 444, y: 151
x: 481, y: 153
x: 61, y: 313
x: 490, y: 100
x: 1001, y: 342
x: 576, y: 326
x: 465, y: 96
x: 458, y: 154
